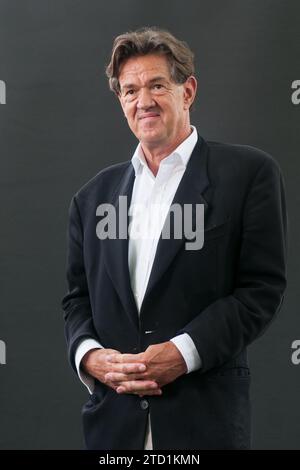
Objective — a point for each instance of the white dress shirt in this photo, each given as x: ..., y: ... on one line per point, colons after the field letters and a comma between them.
x: 150, y: 203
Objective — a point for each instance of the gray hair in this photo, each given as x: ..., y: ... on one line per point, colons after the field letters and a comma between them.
x: 152, y: 40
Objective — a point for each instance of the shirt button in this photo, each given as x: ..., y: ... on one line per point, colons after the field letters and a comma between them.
x: 144, y: 404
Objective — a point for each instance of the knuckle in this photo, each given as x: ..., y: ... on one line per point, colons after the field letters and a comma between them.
x: 146, y: 361
x: 129, y: 387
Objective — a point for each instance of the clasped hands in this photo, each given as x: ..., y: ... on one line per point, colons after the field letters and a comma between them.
x: 140, y: 374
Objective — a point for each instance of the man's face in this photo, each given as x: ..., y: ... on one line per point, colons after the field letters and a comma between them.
x: 157, y: 109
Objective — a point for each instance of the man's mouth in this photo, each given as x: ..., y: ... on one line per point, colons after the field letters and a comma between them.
x: 149, y: 116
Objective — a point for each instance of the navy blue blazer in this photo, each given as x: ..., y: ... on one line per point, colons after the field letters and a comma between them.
x: 223, y: 295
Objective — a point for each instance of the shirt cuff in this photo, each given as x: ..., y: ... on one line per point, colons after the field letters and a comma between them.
x: 85, y: 346
x: 188, y: 350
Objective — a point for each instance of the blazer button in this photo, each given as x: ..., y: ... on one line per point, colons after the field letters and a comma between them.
x: 144, y: 404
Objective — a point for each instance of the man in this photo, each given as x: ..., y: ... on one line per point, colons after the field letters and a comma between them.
x: 158, y: 330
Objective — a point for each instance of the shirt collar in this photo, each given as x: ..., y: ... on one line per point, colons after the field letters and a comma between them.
x: 180, y: 155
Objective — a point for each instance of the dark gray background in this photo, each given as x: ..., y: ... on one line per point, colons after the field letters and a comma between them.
x: 61, y: 125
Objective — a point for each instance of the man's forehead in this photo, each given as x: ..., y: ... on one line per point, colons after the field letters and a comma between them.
x: 145, y: 67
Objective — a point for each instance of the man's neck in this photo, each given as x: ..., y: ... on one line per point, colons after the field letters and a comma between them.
x: 155, y: 155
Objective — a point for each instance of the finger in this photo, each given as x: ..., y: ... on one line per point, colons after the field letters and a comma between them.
x: 148, y: 392
x: 126, y: 368
x: 121, y: 377
x: 137, y: 386
x: 113, y: 385
x: 121, y: 358
x: 143, y: 393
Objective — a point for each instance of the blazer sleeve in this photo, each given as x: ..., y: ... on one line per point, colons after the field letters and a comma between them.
x: 224, y: 328
x: 76, y: 303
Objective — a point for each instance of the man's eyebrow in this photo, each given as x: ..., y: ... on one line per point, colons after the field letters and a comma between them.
x: 158, y: 79
x: 154, y: 79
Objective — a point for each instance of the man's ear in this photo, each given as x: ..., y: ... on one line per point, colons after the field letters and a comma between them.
x: 190, y: 89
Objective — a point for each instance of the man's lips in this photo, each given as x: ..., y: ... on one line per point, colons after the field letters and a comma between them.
x: 148, y: 115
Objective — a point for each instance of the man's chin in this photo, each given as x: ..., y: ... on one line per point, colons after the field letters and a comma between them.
x: 151, y: 137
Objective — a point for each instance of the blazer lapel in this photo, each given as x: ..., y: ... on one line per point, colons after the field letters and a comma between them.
x: 116, y: 250
x: 192, y: 185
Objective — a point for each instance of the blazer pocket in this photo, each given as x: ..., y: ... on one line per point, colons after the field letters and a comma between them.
x: 216, y: 230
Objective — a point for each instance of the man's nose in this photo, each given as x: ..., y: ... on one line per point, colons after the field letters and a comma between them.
x: 145, y: 98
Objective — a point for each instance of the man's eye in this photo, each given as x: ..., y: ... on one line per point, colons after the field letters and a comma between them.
x: 129, y: 92
x: 158, y: 86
